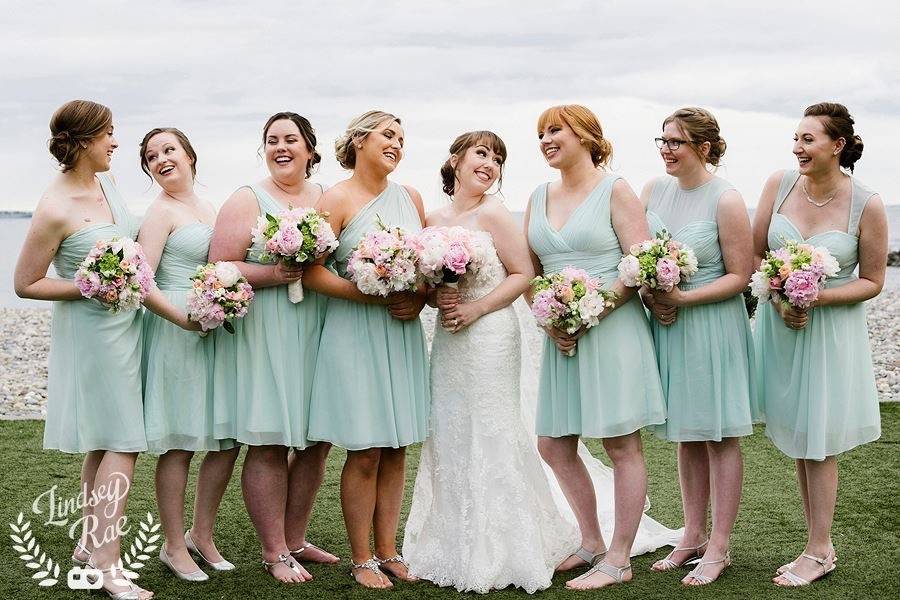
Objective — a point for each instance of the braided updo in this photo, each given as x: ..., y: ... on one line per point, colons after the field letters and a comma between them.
x: 72, y: 125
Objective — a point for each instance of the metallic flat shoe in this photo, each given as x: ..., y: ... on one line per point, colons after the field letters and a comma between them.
x: 222, y: 565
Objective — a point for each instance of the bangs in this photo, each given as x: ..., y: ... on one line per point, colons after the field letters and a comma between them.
x: 555, y: 115
x: 490, y: 140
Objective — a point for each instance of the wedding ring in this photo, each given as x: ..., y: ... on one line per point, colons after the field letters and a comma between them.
x: 454, y: 322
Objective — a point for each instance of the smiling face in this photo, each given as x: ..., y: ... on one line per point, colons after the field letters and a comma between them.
x: 382, y: 148
x: 98, y: 153
x: 286, y: 151
x: 815, y: 150
x: 560, y: 146
x: 168, y: 162
x: 477, y: 169
x: 685, y: 159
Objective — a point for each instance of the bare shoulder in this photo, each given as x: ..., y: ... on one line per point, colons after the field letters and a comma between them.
x: 622, y: 194
x: 51, y: 210
x: 731, y: 200
x: 874, y: 210
x: 413, y: 193
x: 438, y: 216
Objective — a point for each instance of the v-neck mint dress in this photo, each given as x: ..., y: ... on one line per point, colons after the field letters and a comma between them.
x: 611, y: 386
x: 817, y: 385
x: 178, y: 364
x: 372, y: 383
x: 706, y: 358
x: 263, y: 373
x: 94, y: 376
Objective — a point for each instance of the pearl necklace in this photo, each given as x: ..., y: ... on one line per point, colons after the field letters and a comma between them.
x: 819, y: 204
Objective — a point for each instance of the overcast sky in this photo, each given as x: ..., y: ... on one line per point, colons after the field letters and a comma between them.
x: 217, y: 70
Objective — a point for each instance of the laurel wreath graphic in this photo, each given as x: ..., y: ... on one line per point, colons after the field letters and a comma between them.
x: 145, y: 542
x: 46, y: 569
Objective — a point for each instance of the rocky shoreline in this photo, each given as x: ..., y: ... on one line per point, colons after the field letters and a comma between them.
x: 25, y: 344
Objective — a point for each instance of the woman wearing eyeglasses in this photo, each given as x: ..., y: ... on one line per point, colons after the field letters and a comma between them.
x: 704, y: 347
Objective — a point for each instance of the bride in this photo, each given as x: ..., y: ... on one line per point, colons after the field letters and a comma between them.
x: 486, y: 512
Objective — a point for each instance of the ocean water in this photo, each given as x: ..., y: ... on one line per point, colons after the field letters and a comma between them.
x: 14, y: 228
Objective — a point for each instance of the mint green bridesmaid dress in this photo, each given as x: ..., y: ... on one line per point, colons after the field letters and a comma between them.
x: 817, y: 385
x: 706, y: 359
x: 371, y: 387
x: 178, y: 364
x: 611, y: 386
x: 263, y: 373
x: 94, y: 375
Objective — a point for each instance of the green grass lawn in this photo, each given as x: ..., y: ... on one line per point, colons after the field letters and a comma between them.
x: 769, y: 531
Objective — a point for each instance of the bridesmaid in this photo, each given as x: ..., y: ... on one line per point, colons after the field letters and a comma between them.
x: 177, y: 365
x: 94, y: 379
x: 263, y: 373
x: 610, y: 388
x: 371, y: 392
x: 817, y: 386
x: 704, y: 347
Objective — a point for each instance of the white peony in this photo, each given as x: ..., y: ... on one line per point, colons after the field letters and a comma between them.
x: 690, y: 262
x: 629, y: 270
x: 258, y: 232
x: 759, y: 286
x: 227, y: 274
x: 830, y: 265
x: 590, y: 307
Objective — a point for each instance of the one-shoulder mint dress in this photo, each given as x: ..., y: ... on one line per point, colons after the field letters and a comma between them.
x: 817, y: 385
x: 371, y: 388
x: 706, y: 359
x: 94, y: 378
x: 611, y: 386
x: 263, y: 373
x: 178, y: 364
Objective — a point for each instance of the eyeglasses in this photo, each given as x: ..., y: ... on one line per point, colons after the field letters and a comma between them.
x: 673, y: 145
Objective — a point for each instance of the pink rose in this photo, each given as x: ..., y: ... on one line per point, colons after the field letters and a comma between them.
x: 457, y: 258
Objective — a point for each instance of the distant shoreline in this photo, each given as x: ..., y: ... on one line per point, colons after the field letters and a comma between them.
x: 15, y: 214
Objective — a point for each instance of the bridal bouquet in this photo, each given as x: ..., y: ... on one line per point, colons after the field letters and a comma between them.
x: 116, y: 273
x: 660, y: 263
x: 793, y: 274
x: 448, y: 253
x: 220, y: 294
x: 296, y: 235
x: 569, y: 300
x: 385, y: 260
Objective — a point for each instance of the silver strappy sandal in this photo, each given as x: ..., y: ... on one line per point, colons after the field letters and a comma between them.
x: 697, y: 572
x: 667, y: 564
x: 372, y: 565
x: 285, y: 559
x: 79, y: 547
x: 795, y: 580
x: 399, y: 560
x: 616, y: 573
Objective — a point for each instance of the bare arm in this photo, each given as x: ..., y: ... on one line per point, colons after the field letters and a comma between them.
x: 873, y: 249
x: 536, y: 267
x: 155, y: 231
x: 763, y: 216
x: 46, y: 233
x: 231, y: 239
x: 629, y: 222
x: 736, y: 241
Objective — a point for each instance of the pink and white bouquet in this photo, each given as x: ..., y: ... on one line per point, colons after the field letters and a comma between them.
x: 448, y: 253
x: 660, y: 263
x: 384, y: 261
x: 219, y: 295
x: 569, y: 300
x: 116, y: 273
x: 296, y: 235
x: 793, y: 274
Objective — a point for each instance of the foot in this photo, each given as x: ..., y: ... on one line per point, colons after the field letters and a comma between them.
x: 205, y: 549
x: 396, y: 567
x: 369, y: 575
x: 179, y: 559
x: 285, y: 569
x: 790, y: 565
x: 603, y: 574
x: 119, y: 587
x: 308, y: 552
x: 807, y: 568
x: 679, y: 556
x: 581, y: 558
x: 80, y: 555
x: 707, y: 570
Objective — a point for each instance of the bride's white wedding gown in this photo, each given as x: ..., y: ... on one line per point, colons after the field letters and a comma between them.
x: 486, y: 511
